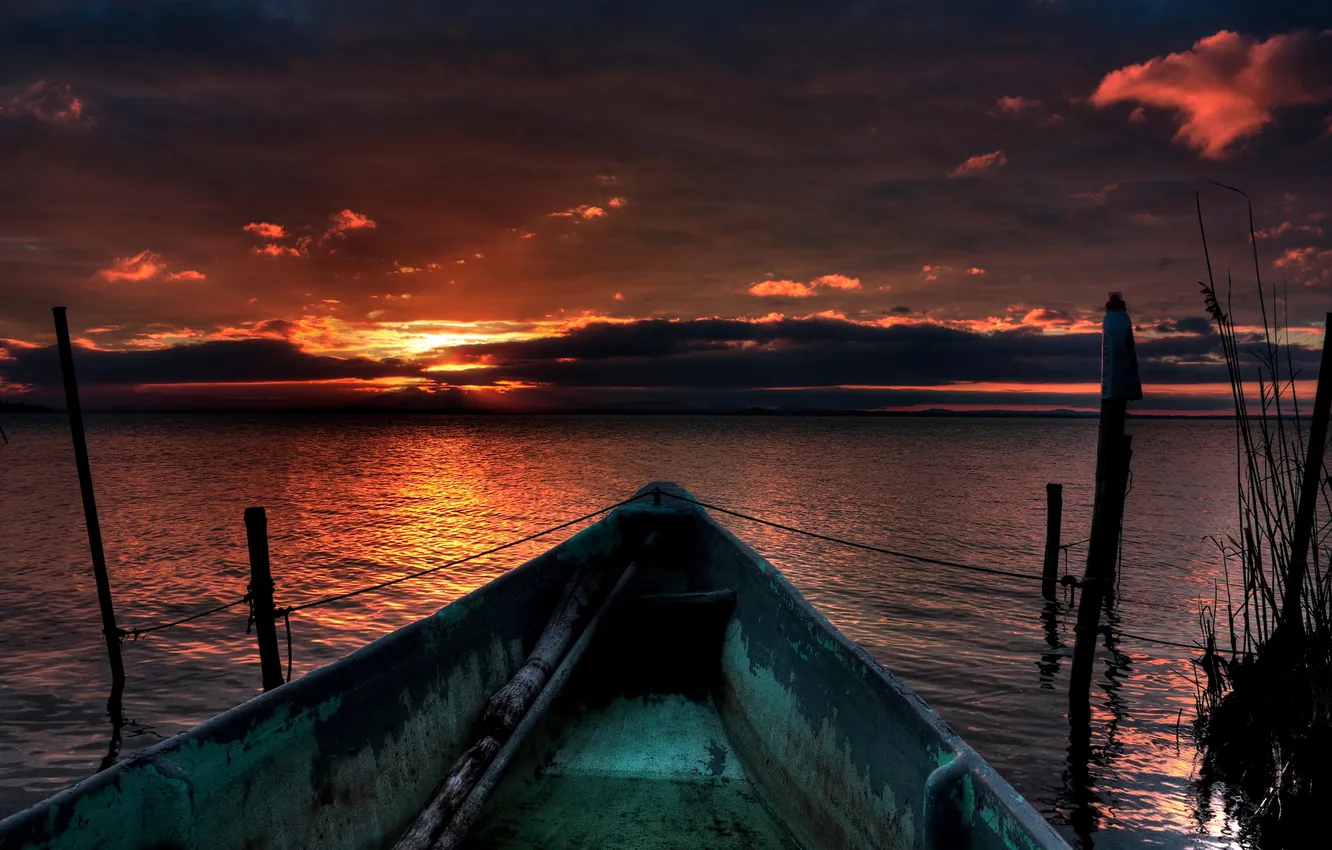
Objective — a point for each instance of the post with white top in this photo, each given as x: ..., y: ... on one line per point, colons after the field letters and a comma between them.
x: 1119, y: 385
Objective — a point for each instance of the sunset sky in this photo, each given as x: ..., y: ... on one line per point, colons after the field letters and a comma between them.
x: 683, y: 205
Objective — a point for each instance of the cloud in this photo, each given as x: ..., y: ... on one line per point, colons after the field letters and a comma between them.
x: 1016, y: 105
x: 933, y: 272
x: 836, y: 281
x: 616, y: 202
x: 265, y: 230
x: 976, y: 271
x: 583, y: 211
x: 1100, y: 196
x: 347, y: 220
x: 785, y: 288
x: 216, y: 361
x: 981, y: 163
x: 51, y: 104
x: 144, y: 265
x: 1227, y: 86
x: 795, y: 289
x: 187, y: 274
x: 272, y: 249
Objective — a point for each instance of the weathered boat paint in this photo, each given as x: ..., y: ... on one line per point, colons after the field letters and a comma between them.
x: 830, y: 743
x: 343, y: 757
x: 838, y: 743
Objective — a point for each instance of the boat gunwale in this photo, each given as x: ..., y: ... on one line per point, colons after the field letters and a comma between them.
x: 978, y: 769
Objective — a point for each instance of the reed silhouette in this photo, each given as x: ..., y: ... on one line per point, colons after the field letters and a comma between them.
x: 1264, y: 695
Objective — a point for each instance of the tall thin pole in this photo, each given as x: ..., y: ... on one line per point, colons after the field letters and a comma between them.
x: 1313, y: 476
x: 1054, y: 517
x: 261, y: 596
x: 1119, y: 385
x: 109, y: 629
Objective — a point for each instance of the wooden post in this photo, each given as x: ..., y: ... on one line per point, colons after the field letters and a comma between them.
x: 1054, y: 518
x: 261, y: 596
x: 109, y: 629
x: 1291, y: 617
x: 1119, y: 384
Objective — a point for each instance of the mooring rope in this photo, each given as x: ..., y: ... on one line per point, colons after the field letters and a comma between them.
x: 922, y: 559
x: 419, y: 573
x: 135, y: 634
x: 285, y: 613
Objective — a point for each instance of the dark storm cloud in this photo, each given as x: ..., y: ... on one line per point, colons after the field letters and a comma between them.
x: 826, y: 352
x: 233, y: 361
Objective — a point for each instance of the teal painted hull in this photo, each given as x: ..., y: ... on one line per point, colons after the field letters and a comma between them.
x: 716, y: 708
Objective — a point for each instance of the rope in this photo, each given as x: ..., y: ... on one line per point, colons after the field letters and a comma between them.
x: 1068, y: 546
x: 286, y: 621
x: 1122, y: 633
x: 854, y: 545
x: 419, y: 573
x: 135, y: 634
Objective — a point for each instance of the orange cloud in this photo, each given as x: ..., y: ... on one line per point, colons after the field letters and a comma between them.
x: 786, y: 288
x: 144, y: 265
x: 836, y: 281
x: 187, y: 274
x: 1227, y: 86
x: 272, y: 249
x: 795, y: 289
x: 933, y: 272
x: 978, y: 164
x: 1015, y: 105
x: 348, y: 220
x: 617, y: 202
x: 45, y: 102
x: 583, y: 211
x: 976, y: 271
x: 265, y: 230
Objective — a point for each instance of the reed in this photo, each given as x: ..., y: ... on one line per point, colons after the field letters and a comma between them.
x: 1265, y: 691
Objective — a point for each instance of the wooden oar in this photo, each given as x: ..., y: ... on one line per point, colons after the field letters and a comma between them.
x: 470, y: 810
x: 504, y: 711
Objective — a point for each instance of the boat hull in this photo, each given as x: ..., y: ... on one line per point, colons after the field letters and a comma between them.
x: 812, y: 742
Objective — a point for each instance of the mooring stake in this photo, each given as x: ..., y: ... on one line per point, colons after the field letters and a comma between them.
x: 1119, y: 385
x: 261, y: 597
x: 109, y: 629
x: 1054, y: 519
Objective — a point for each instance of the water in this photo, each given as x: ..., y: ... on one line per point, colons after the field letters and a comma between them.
x: 355, y: 500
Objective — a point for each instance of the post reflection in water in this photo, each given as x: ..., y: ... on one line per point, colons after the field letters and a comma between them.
x: 353, y: 501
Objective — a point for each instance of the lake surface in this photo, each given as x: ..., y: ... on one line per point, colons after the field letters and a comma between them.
x: 355, y: 500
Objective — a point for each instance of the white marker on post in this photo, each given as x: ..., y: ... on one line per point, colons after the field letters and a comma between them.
x: 1119, y: 361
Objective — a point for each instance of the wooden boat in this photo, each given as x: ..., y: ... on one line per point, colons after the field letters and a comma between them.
x: 710, y: 706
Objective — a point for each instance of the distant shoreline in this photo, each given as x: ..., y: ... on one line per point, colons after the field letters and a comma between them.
x: 935, y: 413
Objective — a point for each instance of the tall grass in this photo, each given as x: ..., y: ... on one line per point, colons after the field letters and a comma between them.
x: 1265, y: 700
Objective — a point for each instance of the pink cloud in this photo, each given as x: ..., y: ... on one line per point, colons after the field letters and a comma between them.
x: 272, y: 249
x: 1016, y: 105
x: 264, y: 230
x: 347, y: 220
x: 187, y: 274
x: 933, y: 272
x: 54, y: 104
x: 1227, y: 86
x: 619, y: 296
x: 1098, y: 196
x: 144, y: 265
x: 978, y: 164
